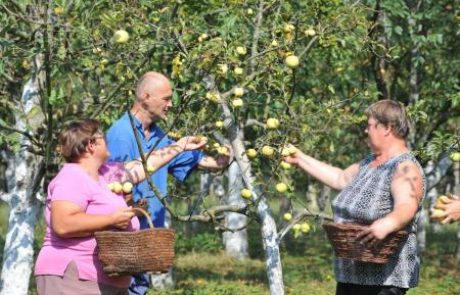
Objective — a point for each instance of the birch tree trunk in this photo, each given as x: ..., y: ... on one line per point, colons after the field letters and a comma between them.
x: 24, y: 174
x: 236, y: 243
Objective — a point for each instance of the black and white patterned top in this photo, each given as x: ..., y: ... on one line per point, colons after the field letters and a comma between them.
x: 366, y: 199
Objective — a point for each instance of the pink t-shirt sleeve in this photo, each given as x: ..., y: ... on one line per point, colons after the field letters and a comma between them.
x: 72, y: 188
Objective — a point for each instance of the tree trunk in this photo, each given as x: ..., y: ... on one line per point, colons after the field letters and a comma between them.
x: 24, y: 173
x: 236, y: 243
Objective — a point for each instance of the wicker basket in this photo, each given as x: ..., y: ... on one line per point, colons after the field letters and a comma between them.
x: 345, y: 244
x: 127, y: 253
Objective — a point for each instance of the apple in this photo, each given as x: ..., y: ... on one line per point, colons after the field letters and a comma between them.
x: 285, y: 165
x: 268, y: 151
x: 237, y: 103
x: 150, y: 169
x: 246, y: 193
x: 310, y: 32
x: 117, y: 187
x: 219, y: 124
x: 223, y: 150
x: 437, y: 214
x: 275, y: 43
x: 121, y: 36
x: 292, y: 61
x: 251, y: 153
x: 281, y: 187
x: 287, y: 216
x: 110, y: 186
x: 272, y: 123
x: 249, y: 11
x: 212, y: 96
x: 455, y: 157
x: 296, y: 227
x: 203, y: 37
x: 223, y: 68
x: 241, y: 50
x: 127, y: 187
x: 238, y: 71
x: 238, y: 91
x: 288, y: 28
x: 287, y: 151
x: 305, y: 227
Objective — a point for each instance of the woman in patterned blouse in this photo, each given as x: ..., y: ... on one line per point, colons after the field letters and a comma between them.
x: 385, y: 192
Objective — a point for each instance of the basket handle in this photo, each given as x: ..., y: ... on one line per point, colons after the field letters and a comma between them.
x: 147, y: 215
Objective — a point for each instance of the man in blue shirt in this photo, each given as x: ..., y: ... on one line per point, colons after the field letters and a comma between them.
x: 153, y: 100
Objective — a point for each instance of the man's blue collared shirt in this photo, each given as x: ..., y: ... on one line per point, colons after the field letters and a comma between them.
x: 122, y: 145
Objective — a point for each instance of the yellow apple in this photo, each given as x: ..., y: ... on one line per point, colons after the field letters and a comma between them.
x: 245, y: 193
x: 150, y: 169
x: 455, y: 157
x: 121, y: 36
x: 442, y: 200
x: 275, y: 43
x: 216, y: 145
x: 241, y: 50
x: 310, y: 32
x: 288, y: 28
x: 203, y: 37
x: 237, y: 103
x: 117, y: 187
x: 268, y: 151
x: 285, y: 165
x: 238, y: 91
x: 223, y: 150
x: 296, y: 227
x: 219, y: 124
x: 292, y: 61
x: 110, y: 186
x: 272, y: 123
x: 305, y: 227
x: 437, y: 214
x: 238, y: 71
x: 223, y: 68
x: 287, y: 216
x: 212, y: 96
x: 251, y: 153
x: 127, y: 187
x: 249, y: 11
x: 281, y: 187
x: 287, y: 151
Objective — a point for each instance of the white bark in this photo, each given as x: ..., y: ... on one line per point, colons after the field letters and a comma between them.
x: 236, y: 243
x: 23, y: 169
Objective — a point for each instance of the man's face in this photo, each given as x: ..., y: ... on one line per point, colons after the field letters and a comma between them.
x: 158, y: 101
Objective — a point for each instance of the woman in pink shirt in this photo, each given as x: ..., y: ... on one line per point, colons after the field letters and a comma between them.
x: 80, y: 203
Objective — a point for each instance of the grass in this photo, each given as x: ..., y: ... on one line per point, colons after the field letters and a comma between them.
x: 202, y: 268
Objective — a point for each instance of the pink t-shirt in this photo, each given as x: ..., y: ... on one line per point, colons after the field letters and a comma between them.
x: 73, y: 184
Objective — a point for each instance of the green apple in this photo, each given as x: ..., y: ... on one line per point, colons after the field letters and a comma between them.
x: 127, y: 187
x: 241, y: 50
x: 288, y: 28
x: 237, y: 103
x: 310, y: 32
x: 121, y: 36
x: 117, y: 187
x: 268, y: 151
x: 246, y: 193
x: 455, y: 157
x: 272, y: 123
x: 305, y: 227
x: 251, y: 153
x: 292, y: 61
x: 238, y: 71
x: 238, y: 91
x: 275, y: 43
x: 223, y: 68
x: 281, y: 187
x: 219, y: 124
x: 285, y: 165
x: 287, y: 216
x: 203, y: 37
